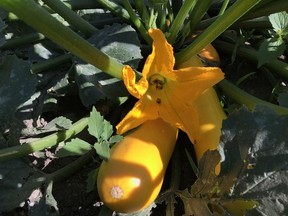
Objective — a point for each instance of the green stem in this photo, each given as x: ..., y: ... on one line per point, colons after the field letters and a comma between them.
x: 37, y: 17
x: 142, y: 9
x: 23, y: 40
x: 267, y: 9
x: 250, y: 54
x: 161, y: 18
x: 71, y: 168
x: 223, y: 7
x: 71, y: 17
x: 45, y: 142
x: 198, y: 12
x: 83, y: 4
x: 257, y: 23
x: 137, y: 22
x: 238, y: 9
x: 115, y: 9
x: 247, y: 99
x: 50, y: 63
x: 179, y: 20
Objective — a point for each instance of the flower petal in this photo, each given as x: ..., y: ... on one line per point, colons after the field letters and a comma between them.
x: 144, y: 109
x: 161, y: 60
x: 129, y: 78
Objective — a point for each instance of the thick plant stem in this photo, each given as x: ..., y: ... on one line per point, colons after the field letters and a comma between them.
x: 179, y: 20
x: 250, y: 54
x: 115, y: 9
x: 45, y: 142
x: 51, y: 63
x: 41, y: 20
x: 238, y: 9
x: 71, y: 17
x: 247, y: 99
x: 136, y: 21
x: 23, y: 40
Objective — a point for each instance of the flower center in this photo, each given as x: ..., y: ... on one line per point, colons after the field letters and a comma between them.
x: 158, y: 81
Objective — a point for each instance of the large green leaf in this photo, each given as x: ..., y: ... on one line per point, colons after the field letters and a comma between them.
x: 254, y: 167
x: 16, y: 86
x: 17, y: 181
x: 2, y: 37
x: 118, y: 41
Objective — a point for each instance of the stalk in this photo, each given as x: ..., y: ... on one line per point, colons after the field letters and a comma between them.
x: 50, y: 63
x: 267, y: 9
x: 115, y: 9
x: 136, y: 21
x: 45, y: 142
x: 179, y: 20
x: 71, y: 17
x: 238, y: 9
x: 41, y: 20
x: 142, y: 9
x: 198, y: 12
x: 250, y: 54
x: 23, y: 40
x: 224, y: 7
x: 247, y: 99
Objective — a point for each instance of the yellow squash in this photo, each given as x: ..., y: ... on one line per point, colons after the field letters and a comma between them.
x: 209, y: 109
x: 132, y: 177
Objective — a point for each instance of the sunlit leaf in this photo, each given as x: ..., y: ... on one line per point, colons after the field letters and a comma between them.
x: 103, y: 149
x: 269, y: 50
x: 95, y: 124
x: 115, y: 139
x: 74, y: 147
x: 279, y: 21
x: 107, y: 130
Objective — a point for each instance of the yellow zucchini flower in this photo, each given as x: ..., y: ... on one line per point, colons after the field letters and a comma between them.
x: 164, y: 92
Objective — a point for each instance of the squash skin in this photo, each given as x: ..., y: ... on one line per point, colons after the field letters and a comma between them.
x: 207, y: 105
x: 132, y: 177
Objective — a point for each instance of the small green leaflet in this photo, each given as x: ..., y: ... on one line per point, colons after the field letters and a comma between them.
x: 95, y: 124
x: 98, y: 127
x: 74, y: 147
x: 91, y: 179
x: 279, y: 22
x: 273, y: 47
x: 270, y: 49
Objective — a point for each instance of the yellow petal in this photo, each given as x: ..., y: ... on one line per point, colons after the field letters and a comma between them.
x: 144, y: 109
x: 161, y: 60
x: 129, y: 78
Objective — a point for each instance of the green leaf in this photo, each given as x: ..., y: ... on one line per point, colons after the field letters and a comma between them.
x: 17, y: 84
x: 118, y: 41
x: 115, y: 139
x: 95, y: 124
x: 194, y: 206
x: 279, y: 21
x: 103, y: 149
x: 91, y: 180
x: 107, y: 130
x: 262, y: 172
x: 17, y: 182
x: 269, y: 50
x: 74, y: 147
x: 57, y: 124
x: 283, y: 99
x: 2, y: 37
x: 46, y: 205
